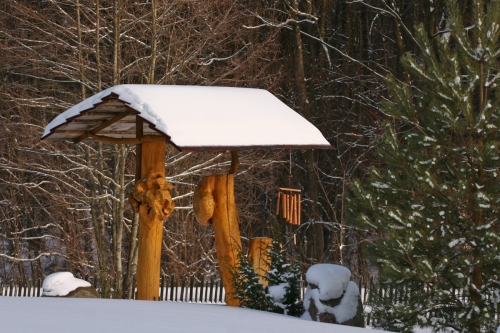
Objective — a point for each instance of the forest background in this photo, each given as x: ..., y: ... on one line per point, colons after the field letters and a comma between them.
x: 64, y: 206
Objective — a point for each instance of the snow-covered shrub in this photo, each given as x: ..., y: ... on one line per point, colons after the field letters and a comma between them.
x: 283, y: 293
x: 61, y: 284
x: 284, y: 282
x: 331, y: 296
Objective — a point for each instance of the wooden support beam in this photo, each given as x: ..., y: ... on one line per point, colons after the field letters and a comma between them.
x: 101, y: 126
x: 213, y: 203
x: 235, y: 162
x: 151, y: 198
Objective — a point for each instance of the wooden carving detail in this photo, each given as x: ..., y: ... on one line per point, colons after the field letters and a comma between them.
x: 151, y: 197
x: 213, y: 203
x: 203, y: 200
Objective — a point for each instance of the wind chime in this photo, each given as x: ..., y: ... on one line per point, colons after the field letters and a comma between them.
x: 288, y: 203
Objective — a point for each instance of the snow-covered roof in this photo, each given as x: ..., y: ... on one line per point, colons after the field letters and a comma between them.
x: 192, y: 118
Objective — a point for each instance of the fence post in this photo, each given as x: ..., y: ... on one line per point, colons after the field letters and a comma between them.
x: 183, y: 280
x: 162, y: 286
x: 207, y: 286
x: 211, y: 288
x: 172, y: 277
x: 202, y: 283
x: 196, y: 290
x: 220, y: 291
x: 191, y: 286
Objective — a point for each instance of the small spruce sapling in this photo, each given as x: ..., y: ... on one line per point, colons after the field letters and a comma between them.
x: 284, y: 274
x: 249, y: 290
x: 277, y: 266
x: 292, y: 300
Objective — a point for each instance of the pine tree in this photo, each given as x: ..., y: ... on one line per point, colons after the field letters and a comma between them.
x: 433, y: 197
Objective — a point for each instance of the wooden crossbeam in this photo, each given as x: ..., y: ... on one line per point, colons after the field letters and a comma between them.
x: 130, y: 141
x: 289, y: 189
x: 101, y: 127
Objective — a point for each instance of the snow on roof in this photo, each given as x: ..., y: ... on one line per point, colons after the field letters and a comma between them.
x: 191, y: 117
x: 332, y: 280
x: 61, y: 284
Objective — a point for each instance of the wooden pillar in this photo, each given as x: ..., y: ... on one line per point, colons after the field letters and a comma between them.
x: 258, y: 256
x: 151, y: 198
x: 213, y: 203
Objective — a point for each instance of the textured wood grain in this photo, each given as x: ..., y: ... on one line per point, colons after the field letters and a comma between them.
x: 213, y: 203
x: 259, y: 257
x: 151, y: 198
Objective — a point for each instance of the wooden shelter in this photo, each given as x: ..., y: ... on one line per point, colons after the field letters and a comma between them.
x: 191, y: 118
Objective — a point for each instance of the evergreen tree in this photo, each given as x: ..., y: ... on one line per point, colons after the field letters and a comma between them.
x: 250, y: 291
x: 277, y: 266
x: 433, y: 196
x: 288, y: 276
x: 292, y: 300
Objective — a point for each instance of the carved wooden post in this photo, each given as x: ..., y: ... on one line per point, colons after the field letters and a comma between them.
x: 213, y: 203
x: 151, y: 198
x: 258, y: 256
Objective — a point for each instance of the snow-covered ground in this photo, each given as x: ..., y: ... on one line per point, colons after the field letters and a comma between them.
x: 54, y: 315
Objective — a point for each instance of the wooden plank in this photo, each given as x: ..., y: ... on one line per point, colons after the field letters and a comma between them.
x: 132, y: 141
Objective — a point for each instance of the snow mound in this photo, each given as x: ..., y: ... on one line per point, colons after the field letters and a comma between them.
x: 332, y: 280
x: 97, y: 315
x: 278, y: 292
x: 61, y: 284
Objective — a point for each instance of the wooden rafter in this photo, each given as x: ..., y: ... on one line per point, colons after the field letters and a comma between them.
x: 101, y: 127
x: 130, y: 141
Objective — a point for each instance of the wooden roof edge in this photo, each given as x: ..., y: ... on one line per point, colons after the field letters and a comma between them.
x: 104, y: 100
x: 241, y: 148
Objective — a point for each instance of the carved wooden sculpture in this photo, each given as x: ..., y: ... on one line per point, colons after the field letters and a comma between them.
x: 258, y: 256
x: 213, y: 203
x: 151, y: 198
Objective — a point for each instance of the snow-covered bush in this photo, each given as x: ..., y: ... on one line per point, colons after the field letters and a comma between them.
x: 331, y: 296
x: 61, y: 284
x: 284, y: 282
x: 283, y: 293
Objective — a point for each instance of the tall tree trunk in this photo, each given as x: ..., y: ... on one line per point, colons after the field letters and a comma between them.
x: 316, y: 231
